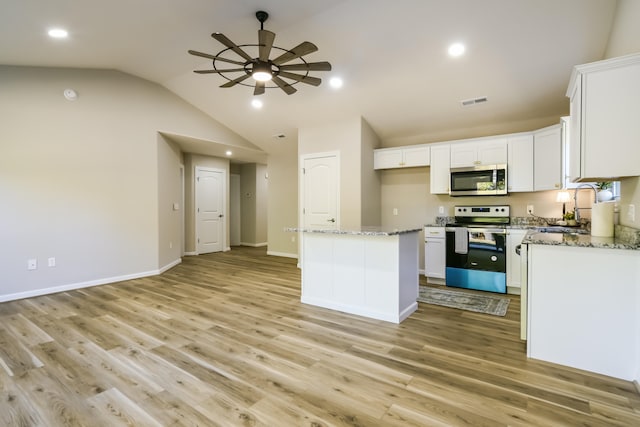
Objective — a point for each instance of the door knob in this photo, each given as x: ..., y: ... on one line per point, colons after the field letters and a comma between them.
x: 331, y: 220
x: 220, y: 216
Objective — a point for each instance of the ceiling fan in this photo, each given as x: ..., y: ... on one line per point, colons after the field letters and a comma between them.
x: 263, y: 69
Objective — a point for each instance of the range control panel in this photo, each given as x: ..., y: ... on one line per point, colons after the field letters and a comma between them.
x: 482, y: 211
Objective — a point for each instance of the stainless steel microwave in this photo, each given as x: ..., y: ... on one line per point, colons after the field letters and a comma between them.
x: 486, y: 180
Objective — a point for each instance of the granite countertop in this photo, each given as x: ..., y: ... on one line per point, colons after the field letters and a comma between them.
x: 625, y: 238
x: 357, y: 231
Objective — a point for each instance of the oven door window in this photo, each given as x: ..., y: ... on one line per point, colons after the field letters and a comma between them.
x: 486, y: 251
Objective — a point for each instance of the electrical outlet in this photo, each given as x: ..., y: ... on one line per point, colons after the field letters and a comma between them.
x: 32, y: 264
x: 395, y: 211
x: 530, y: 209
x: 441, y: 210
x: 631, y: 213
x: 293, y: 239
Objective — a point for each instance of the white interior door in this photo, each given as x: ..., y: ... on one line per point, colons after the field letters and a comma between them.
x: 210, y: 221
x: 320, y: 191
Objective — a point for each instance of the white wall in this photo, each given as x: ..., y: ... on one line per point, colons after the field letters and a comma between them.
x: 81, y: 181
x: 170, y: 220
x: 253, y: 204
x: 282, y: 206
x: 370, y: 191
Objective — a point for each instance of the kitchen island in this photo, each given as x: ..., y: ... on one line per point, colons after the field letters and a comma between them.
x: 583, y: 301
x: 369, y: 271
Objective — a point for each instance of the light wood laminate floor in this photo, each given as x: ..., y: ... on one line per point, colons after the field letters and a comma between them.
x: 222, y: 339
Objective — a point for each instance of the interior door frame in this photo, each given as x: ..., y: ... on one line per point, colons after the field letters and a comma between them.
x: 224, y: 209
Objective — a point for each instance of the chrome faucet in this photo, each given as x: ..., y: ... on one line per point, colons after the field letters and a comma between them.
x: 575, y: 198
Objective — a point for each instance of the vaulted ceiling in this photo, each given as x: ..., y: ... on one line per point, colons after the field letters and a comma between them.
x: 391, y: 55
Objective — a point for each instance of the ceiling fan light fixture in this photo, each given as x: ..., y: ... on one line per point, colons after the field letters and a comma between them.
x: 281, y: 71
x: 262, y: 72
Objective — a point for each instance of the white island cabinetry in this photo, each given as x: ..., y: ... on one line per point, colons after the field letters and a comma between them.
x: 583, y: 312
x: 368, y: 272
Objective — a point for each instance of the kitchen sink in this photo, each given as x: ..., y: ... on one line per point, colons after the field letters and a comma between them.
x: 562, y: 230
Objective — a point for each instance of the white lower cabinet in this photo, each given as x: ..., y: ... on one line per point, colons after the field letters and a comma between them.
x: 514, y: 238
x: 435, y: 252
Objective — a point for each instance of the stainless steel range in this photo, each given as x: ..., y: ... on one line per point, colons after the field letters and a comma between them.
x: 476, y: 248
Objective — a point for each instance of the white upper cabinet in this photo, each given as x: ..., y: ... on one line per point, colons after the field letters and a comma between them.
x: 473, y: 153
x: 520, y: 163
x: 439, y: 173
x: 604, y: 124
x: 547, y: 160
x: 405, y: 157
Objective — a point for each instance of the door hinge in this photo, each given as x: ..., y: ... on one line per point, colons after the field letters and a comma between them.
x: 303, y: 171
x: 304, y: 212
x: 198, y: 240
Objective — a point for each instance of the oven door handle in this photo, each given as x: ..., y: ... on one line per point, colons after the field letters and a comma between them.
x: 488, y: 230
x: 480, y: 230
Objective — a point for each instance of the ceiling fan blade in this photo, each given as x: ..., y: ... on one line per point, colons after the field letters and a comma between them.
x: 303, y: 48
x: 304, y: 79
x: 284, y: 85
x: 309, y: 66
x: 230, y: 70
x: 236, y: 81
x: 259, y: 89
x: 265, y: 38
x: 215, y: 58
x: 228, y: 43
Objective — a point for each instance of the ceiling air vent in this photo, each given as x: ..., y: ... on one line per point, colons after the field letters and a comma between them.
x: 473, y: 101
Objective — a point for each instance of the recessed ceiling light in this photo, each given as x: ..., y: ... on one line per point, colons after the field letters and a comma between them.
x: 58, y: 33
x: 256, y: 103
x: 336, y: 82
x: 456, y: 49
x: 228, y: 153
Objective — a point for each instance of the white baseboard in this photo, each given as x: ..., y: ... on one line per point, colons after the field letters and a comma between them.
x: 87, y: 284
x: 512, y: 290
x: 170, y: 265
x: 190, y: 253
x: 282, y: 254
x: 637, y: 384
x: 254, y: 245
